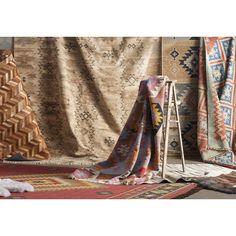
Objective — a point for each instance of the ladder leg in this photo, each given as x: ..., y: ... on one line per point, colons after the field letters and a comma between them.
x: 179, y: 128
x: 164, y: 124
x: 170, y: 93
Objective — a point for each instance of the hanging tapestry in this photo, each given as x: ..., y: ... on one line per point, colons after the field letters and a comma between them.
x: 136, y: 155
x: 217, y: 96
x: 180, y: 63
x: 82, y: 89
x: 19, y: 131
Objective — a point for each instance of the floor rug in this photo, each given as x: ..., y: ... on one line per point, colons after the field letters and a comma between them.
x: 52, y: 183
x: 225, y: 183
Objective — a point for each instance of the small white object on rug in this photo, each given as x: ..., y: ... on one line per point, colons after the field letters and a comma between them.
x: 8, y: 186
x: 4, y: 192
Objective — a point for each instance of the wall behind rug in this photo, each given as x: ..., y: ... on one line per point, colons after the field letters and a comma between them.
x: 82, y: 89
x: 6, y: 42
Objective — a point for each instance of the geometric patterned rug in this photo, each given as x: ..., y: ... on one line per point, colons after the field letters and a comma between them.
x: 52, y: 183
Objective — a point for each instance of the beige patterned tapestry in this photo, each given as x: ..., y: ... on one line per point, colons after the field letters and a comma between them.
x: 82, y: 89
x: 19, y: 131
x: 180, y: 62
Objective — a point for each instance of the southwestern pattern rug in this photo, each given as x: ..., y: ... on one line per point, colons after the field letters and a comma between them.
x: 82, y: 89
x: 107, y: 71
x: 53, y: 183
x: 216, y: 108
x: 180, y: 63
x: 137, y: 152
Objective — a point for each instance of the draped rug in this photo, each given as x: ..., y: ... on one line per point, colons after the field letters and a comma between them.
x: 217, y: 96
x: 136, y: 155
x: 19, y: 131
x: 82, y: 89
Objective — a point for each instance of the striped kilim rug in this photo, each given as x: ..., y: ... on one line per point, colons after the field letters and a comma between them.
x: 53, y: 183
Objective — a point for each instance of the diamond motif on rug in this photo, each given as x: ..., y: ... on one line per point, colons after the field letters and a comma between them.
x: 174, y: 53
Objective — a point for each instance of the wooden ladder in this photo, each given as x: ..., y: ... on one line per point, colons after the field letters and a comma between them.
x: 171, y: 101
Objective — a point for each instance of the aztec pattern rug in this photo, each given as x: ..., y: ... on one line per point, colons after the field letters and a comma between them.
x: 19, y: 131
x: 106, y: 71
x: 180, y: 62
x: 137, y: 152
x: 216, y: 108
x: 53, y: 183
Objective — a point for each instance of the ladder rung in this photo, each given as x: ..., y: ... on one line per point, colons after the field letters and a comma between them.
x: 176, y: 121
x: 171, y: 127
x: 172, y: 151
x: 172, y: 102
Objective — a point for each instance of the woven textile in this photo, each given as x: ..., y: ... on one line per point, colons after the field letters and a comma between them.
x: 52, y: 183
x: 82, y: 89
x: 19, y: 131
x: 137, y: 151
x: 225, y: 183
x: 216, y: 108
x: 73, y: 84
x: 180, y: 63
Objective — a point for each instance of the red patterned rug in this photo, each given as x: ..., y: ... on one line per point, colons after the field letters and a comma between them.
x: 52, y: 183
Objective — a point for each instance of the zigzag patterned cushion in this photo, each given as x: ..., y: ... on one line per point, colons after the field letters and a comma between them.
x: 19, y: 131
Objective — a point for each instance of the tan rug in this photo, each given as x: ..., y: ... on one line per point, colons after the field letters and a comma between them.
x: 82, y: 89
x: 180, y: 62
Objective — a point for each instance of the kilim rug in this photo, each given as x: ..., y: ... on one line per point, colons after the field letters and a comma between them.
x: 225, y: 183
x: 19, y: 131
x: 56, y: 71
x: 82, y: 89
x: 136, y: 155
x: 180, y: 63
x: 216, y: 108
x: 52, y: 183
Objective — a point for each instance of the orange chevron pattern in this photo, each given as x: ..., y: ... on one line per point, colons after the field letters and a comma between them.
x: 220, y: 132
x: 19, y: 131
